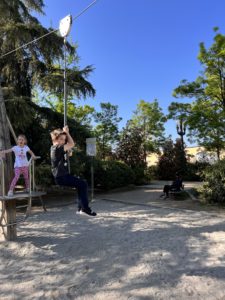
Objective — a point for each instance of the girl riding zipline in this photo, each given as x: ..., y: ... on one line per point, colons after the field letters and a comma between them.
x: 62, y: 144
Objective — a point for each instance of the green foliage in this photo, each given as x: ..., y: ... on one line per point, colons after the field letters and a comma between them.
x: 130, y: 148
x: 180, y: 160
x: 205, y: 122
x: 195, y: 170
x: 110, y: 174
x: 106, y: 130
x: 152, y: 173
x: 81, y: 113
x: 214, y: 183
x: 43, y: 175
x: 131, y: 151
x: 174, y: 160
x: 206, y: 115
x: 35, y: 66
x: 141, y: 174
x: 149, y: 117
x: 166, y: 167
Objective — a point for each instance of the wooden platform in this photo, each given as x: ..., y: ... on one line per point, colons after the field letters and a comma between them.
x: 22, y: 195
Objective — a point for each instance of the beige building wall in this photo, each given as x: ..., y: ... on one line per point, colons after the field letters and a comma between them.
x: 196, y: 153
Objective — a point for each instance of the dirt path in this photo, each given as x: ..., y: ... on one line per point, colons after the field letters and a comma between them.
x: 133, y: 252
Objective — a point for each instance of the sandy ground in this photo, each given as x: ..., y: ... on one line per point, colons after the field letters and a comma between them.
x: 128, y: 251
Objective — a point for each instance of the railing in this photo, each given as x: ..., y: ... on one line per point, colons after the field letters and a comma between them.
x: 32, y: 173
x: 3, y: 176
x: 8, y: 217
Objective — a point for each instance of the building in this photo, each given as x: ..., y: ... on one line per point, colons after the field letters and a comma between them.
x: 195, y: 154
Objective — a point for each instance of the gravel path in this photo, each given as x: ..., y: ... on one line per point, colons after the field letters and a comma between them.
x: 130, y: 252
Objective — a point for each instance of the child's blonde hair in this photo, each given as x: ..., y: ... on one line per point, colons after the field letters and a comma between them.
x: 56, y: 133
x: 24, y: 137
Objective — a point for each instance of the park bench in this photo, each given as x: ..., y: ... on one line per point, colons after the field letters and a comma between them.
x: 174, y: 192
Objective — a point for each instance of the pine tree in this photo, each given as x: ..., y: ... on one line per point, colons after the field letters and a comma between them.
x: 35, y: 65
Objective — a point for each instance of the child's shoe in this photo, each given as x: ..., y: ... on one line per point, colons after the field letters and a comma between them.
x: 10, y: 193
x: 88, y: 212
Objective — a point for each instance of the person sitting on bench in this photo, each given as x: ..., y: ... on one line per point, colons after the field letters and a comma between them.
x: 176, y: 186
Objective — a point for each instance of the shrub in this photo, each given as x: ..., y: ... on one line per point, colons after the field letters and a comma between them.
x: 107, y: 174
x: 110, y: 174
x: 140, y: 175
x: 43, y: 175
x: 213, y: 189
x: 194, y: 171
x: 152, y: 173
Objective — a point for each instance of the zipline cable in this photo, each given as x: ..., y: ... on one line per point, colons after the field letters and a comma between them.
x: 47, y: 34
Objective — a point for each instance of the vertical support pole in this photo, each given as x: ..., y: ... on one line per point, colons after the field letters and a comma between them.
x: 65, y: 84
x: 92, y: 178
x: 33, y: 175
x: 10, y: 232
x: 2, y: 176
x: 30, y: 176
x: 65, y: 95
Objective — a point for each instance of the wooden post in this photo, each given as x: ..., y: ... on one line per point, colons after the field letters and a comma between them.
x: 10, y: 232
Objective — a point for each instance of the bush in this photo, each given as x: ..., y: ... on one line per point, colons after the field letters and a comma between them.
x: 141, y: 175
x: 213, y: 189
x: 152, y: 173
x: 43, y: 175
x: 107, y: 174
x: 110, y: 174
x: 194, y: 171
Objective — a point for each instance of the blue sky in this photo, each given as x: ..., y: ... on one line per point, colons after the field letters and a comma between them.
x: 141, y: 49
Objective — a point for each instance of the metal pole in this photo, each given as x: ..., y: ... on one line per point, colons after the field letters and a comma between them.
x: 65, y: 95
x: 30, y: 176
x: 33, y: 179
x: 92, y: 178
x: 65, y: 84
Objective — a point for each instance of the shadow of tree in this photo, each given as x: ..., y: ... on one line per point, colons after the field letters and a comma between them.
x: 127, y: 252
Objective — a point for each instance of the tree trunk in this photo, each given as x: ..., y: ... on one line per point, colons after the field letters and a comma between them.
x: 218, y: 153
x: 10, y: 215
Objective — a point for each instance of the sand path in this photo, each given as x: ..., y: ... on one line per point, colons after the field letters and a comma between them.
x: 133, y: 252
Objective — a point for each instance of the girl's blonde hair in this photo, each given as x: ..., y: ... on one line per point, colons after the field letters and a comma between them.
x: 24, y: 137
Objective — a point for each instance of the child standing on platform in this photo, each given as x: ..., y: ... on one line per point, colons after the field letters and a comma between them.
x: 21, y: 165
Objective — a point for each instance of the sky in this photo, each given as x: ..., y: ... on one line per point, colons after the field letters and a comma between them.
x: 141, y: 49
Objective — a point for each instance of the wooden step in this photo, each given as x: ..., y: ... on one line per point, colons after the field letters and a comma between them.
x: 22, y: 195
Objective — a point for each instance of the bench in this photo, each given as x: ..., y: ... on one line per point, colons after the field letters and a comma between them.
x: 174, y: 192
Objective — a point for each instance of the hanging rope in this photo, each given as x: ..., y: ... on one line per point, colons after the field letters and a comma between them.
x: 47, y: 34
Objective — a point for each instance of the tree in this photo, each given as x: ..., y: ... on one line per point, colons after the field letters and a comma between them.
x: 34, y: 65
x: 166, y: 166
x: 205, y: 116
x: 211, y: 84
x: 180, y: 160
x: 149, y: 117
x: 81, y: 113
x: 106, y: 129
x: 130, y: 147
x: 130, y: 150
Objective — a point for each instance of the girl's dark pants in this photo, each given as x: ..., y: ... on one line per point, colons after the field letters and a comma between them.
x: 80, y: 185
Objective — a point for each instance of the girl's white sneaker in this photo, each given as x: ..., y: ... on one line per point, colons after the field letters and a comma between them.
x: 10, y: 194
